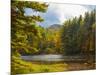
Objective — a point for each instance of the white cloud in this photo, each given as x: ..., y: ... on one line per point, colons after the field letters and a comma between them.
x: 66, y: 11
x: 58, y: 13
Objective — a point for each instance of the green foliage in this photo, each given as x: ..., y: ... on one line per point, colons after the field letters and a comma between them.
x: 19, y: 66
x: 78, y: 34
x: 25, y: 32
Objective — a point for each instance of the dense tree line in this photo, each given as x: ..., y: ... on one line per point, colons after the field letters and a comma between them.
x: 75, y: 36
x: 78, y: 34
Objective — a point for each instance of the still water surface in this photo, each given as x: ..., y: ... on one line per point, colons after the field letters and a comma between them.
x: 51, y: 57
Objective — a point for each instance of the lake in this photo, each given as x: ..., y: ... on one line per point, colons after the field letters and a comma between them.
x: 52, y: 57
x: 76, y: 62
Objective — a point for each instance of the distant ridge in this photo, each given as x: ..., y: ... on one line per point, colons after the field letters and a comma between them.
x: 54, y: 27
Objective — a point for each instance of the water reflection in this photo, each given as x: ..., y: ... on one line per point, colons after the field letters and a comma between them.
x: 52, y: 57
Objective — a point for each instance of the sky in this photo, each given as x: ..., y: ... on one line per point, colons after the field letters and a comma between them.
x: 58, y: 13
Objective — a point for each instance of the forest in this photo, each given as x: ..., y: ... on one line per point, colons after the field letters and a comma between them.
x: 76, y: 36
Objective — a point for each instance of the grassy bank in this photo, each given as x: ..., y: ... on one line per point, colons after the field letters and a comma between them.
x: 22, y: 67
